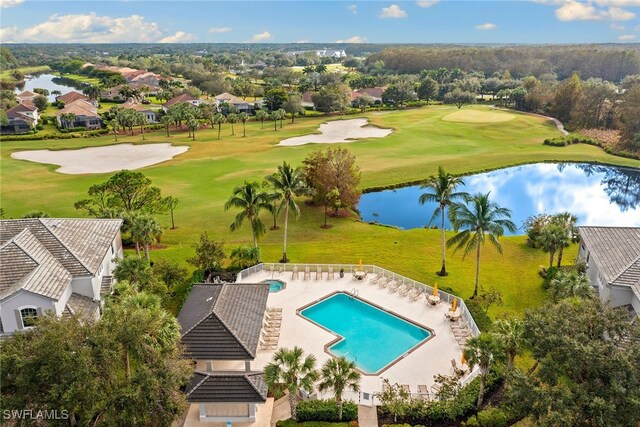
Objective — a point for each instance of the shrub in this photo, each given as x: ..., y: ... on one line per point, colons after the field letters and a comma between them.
x: 483, y: 321
x: 326, y: 410
x: 287, y: 423
x: 492, y: 417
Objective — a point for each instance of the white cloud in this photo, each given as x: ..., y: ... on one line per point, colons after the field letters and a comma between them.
x: 9, y: 3
x: 301, y: 41
x: 7, y: 34
x: 178, y: 37
x: 219, y: 30
x: 393, y: 11
x: 261, y: 37
x: 574, y: 10
x: 486, y: 26
x: 354, y: 39
x: 353, y: 8
x: 87, y: 28
x: 627, y: 37
x: 616, y: 27
x: 426, y: 3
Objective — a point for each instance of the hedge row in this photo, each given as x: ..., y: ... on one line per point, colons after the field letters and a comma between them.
x: 326, y: 410
x: 36, y: 137
x: 577, y: 139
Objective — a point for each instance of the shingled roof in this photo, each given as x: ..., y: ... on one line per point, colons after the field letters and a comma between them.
x: 78, y: 245
x: 227, y: 387
x: 616, y: 251
x: 223, y: 321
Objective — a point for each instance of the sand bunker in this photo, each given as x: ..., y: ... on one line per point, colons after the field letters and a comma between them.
x: 339, y: 131
x: 110, y: 158
x: 474, y: 116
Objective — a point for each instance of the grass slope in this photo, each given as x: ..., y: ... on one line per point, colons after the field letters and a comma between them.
x: 203, y: 179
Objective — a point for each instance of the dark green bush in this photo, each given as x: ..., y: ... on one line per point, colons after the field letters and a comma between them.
x: 287, y: 423
x: 483, y: 321
x: 326, y: 410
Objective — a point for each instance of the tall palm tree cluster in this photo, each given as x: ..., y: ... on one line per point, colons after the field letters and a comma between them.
x: 552, y: 233
x: 291, y: 371
x: 475, y: 218
x: 277, y: 194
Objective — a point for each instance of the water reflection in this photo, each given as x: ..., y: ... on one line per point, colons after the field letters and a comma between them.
x: 597, y: 195
x: 49, y: 82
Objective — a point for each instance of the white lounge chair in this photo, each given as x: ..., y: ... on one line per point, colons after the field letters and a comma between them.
x: 307, y: 273
x: 330, y: 274
x: 415, y: 294
x: 384, y: 282
x: 405, y: 289
x: 294, y: 275
x: 272, y: 271
x: 374, y: 279
x: 393, y: 285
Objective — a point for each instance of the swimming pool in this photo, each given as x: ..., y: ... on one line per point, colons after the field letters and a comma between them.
x: 275, y: 285
x: 371, y: 337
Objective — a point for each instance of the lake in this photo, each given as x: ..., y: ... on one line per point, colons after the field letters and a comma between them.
x: 49, y: 82
x: 597, y: 195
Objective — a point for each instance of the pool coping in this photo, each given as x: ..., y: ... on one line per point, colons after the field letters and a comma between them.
x: 284, y: 285
x: 340, y: 337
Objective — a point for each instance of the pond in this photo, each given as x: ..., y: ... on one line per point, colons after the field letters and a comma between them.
x: 49, y: 82
x: 597, y: 195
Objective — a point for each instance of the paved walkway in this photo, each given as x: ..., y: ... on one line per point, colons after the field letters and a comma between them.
x: 367, y: 416
x: 281, y: 410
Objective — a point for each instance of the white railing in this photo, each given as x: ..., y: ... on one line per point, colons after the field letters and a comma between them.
x: 372, y: 269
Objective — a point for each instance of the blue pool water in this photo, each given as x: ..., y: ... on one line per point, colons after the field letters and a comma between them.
x: 275, y: 285
x: 372, y: 338
x: 596, y: 194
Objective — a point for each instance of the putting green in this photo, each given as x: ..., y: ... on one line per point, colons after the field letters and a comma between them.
x: 475, y: 116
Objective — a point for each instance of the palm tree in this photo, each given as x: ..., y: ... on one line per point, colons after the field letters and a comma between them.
x: 166, y: 120
x: 114, y: 126
x: 251, y: 200
x: 274, y: 202
x: 134, y: 270
x: 275, y: 116
x: 308, y: 70
x: 509, y: 333
x: 480, y: 219
x: 262, y: 116
x: 321, y: 69
x: 92, y: 92
x: 443, y: 192
x: 339, y: 374
x: 290, y: 183
x: 232, y: 118
x: 481, y: 351
x: 141, y: 120
x: 293, y: 372
x: 567, y: 223
x: 551, y: 238
x: 67, y: 120
x: 219, y: 119
x: 144, y: 231
x: 245, y: 256
x: 243, y: 117
x: 570, y: 284
x: 192, y: 125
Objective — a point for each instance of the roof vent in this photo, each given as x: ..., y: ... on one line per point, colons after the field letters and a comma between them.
x: 209, y: 299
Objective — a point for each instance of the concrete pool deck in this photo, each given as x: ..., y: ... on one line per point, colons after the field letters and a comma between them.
x: 414, y: 368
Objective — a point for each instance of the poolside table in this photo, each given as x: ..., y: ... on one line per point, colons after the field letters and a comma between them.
x: 433, y: 299
x: 359, y: 274
x: 453, y: 315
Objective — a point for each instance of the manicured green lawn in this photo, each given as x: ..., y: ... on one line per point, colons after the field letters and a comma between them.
x: 203, y: 178
x: 80, y: 78
x: 5, y: 75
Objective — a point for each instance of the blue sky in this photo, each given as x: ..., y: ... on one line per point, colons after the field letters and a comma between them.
x: 422, y: 21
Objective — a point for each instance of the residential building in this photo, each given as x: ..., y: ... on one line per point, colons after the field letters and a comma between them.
x: 72, y: 96
x: 113, y: 93
x: 240, y: 104
x: 145, y: 109
x: 85, y: 115
x: 181, y: 99
x: 62, y: 266
x: 220, y: 330
x: 26, y: 96
x: 612, y: 255
x: 331, y: 53
x: 374, y: 92
x: 22, y: 118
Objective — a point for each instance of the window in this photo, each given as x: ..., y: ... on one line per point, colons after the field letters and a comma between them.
x: 28, y: 316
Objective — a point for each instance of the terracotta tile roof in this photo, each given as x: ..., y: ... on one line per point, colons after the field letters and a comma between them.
x: 26, y: 94
x: 227, y: 387
x: 136, y: 106
x: 185, y: 97
x: 24, y: 106
x: 231, y: 99
x: 223, y: 321
x: 70, y: 97
x: 79, y: 108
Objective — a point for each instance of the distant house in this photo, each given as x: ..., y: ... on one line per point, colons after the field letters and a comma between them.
x: 62, y: 266
x: 142, y: 108
x: 86, y: 115
x: 331, y: 53
x: 220, y: 330
x: 181, y: 99
x: 612, y: 255
x: 373, y: 92
x: 113, y: 93
x: 240, y: 104
x: 144, y: 77
x: 26, y: 96
x: 70, y: 97
x: 307, y: 101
